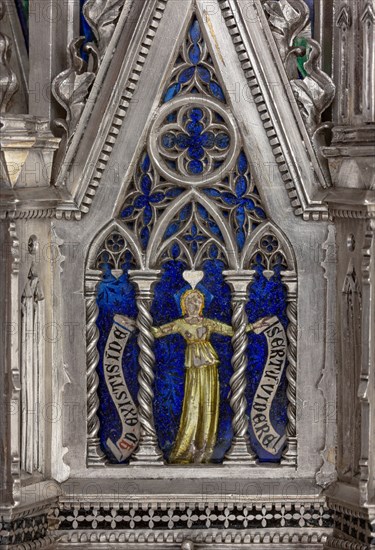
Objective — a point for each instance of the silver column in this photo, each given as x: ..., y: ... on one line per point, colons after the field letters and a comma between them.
x: 240, y: 451
x: 148, y: 451
x: 95, y: 456
x: 289, y: 456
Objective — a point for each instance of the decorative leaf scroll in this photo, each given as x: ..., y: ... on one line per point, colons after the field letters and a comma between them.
x: 239, y: 200
x: 287, y: 19
x: 193, y: 236
x: 71, y: 87
x: 194, y: 71
x: 8, y: 79
x: 314, y: 90
x: 147, y: 196
x: 102, y: 16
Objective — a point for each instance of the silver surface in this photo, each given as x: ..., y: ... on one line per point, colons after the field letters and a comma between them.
x: 322, y: 495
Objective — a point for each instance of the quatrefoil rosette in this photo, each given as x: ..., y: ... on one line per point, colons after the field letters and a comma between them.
x: 194, y: 141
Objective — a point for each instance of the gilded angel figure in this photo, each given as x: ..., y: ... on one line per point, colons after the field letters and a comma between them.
x: 197, y: 431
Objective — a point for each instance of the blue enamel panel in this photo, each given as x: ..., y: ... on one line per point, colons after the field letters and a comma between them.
x: 170, y: 351
x: 266, y: 298
x: 115, y: 296
x: 195, y: 140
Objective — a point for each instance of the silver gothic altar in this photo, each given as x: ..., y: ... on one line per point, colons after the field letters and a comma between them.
x: 187, y: 226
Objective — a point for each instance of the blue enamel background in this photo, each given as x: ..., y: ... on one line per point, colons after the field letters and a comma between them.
x: 115, y: 296
x: 118, y: 296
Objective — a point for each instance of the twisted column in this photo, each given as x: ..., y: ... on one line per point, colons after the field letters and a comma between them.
x: 289, y: 455
x: 95, y: 456
x: 148, y: 451
x: 240, y: 451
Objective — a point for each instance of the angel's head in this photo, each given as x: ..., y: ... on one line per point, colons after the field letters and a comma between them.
x: 192, y: 302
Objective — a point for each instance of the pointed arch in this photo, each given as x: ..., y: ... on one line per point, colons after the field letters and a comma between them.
x: 282, y: 246
x: 155, y: 245
x: 256, y: 63
x: 269, y: 245
x: 212, y: 216
x: 103, y: 234
x: 159, y: 229
x: 93, y: 277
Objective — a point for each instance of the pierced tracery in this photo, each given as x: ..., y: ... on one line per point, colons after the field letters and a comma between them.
x: 267, y: 254
x: 193, y: 235
x: 147, y: 198
x: 194, y: 70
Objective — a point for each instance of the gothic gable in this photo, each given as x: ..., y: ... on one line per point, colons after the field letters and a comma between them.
x: 282, y: 154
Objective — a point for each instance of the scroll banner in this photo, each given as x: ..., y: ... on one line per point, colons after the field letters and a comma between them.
x: 265, y: 433
x: 116, y: 384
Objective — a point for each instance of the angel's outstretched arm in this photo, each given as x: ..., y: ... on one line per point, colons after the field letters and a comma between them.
x: 220, y: 328
x: 164, y: 330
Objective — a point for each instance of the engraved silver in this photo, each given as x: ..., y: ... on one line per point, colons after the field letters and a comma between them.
x: 32, y: 374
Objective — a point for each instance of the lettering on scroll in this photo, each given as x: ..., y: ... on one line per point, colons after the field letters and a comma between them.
x: 119, y: 392
x: 265, y: 433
